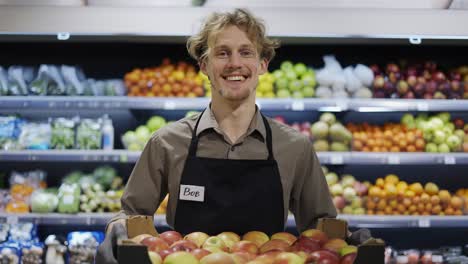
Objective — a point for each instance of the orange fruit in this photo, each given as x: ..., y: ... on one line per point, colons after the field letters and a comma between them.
x: 392, y: 178
x: 416, y: 188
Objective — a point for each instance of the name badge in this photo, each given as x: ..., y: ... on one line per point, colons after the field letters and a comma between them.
x: 192, y: 193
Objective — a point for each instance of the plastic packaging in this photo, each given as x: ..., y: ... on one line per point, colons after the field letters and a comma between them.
x: 35, y: 136
x: 63, y: 133
x: 22, y: 232
x: 10, y: 253
x: 48, y: 81
x: 8, y: 132
x: 107, y: 134
x: 17, y: 77
x: 88, y: 134
x: 71, y: 76
x: 69, y: 198
x: 82, y: 246
x: 32, y: 253
x: 4, y: 230
x: 43, y: 202
x: 3, y: 82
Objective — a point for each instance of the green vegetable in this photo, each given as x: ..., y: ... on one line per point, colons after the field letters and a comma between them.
x: 105, y: 176
x: 43, y: 202
x: 89, y: 134
x: 63, y: 134
x: 73, y: 177
x: 69, y: 198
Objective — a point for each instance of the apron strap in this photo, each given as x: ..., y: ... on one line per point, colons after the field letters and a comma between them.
x: 194, y: 142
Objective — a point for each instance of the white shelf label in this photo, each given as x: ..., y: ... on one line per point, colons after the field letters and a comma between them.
x: 449, y: 160
x: 169, y: 105
x: 424, y: 222
x: 393, y: 159
x: 336, y: 159
x: 343, y: 105
x: 297, y: 105
x: 422, y: 106
x: 12, y: 219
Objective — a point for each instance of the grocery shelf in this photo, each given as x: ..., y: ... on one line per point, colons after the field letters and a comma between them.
x: 291, y: 24
x: 122, y: 156
x: 99, y: 103
x: 357, y: 221
x: 331, y: 158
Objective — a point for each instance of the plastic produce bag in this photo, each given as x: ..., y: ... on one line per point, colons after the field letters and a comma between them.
x: 90, y: 87
x: 82, y: 246
x: 48, y: 81
x: 3, y: 82
x: 352, y: 82
x: 43, y: 202
x: 10, y: 253
x: 63, y: 133
x: 4, y: 230
x: 88, y: 135
x: 35, y: 136
x: 31, y: 253
x: 114, y: 87
x: 17, y: 77
x: 69, y: 198
x: 22, y: 232
x: 71, y: 76
x: 9, y: 132
x: 364, y: 74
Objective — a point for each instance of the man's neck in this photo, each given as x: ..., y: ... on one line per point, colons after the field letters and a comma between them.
x: 233, y: 118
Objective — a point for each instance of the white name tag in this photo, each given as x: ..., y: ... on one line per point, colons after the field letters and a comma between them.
x: 192, y: 193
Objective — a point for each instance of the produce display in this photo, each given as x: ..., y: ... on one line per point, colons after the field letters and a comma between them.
x: 165, y: 80
x: 330, y: 135
x: 55, y: 80
x: 425, y: 80
x: 391, y: 196
x: 428, y: 256
x: 60, y: 133
x: 290, y: 80
x: 348, y: 193
x: 312, y: 246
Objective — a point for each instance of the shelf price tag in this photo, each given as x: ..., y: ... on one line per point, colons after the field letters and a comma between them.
x: 297, y: 105
x: 336, y: 159
x: 169, y: 105
x: 12, y: 219
x: 449, y: 160
x: 392, y: 159
x: 422, y: 106
x: 342, y: 104
x: 424, y: 222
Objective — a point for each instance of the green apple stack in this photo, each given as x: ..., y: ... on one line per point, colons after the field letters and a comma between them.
x: 348, y: 193
x: 440, y: 133
x: 294, y: 80
x: 265, y: 87
x: 330, y: 135
x: 136, y: 140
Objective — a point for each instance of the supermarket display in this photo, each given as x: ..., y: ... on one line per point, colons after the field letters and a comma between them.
x: 165, y: 80
x: 55, y: 80
x: 329, y: 134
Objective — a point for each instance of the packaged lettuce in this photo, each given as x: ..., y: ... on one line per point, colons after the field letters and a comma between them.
x: 17, y: 80
x: 88, y: 135
x: 63, y: 133
x: 35, y: 136
x: 43, y: 202
x: 73, y: 84
x: 69, y: 198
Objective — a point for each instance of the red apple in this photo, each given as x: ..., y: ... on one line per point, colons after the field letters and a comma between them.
x: 324, y: 257
x: 258, y: 237
x: 199, y: 253
x: 305, y: 244
x: 229, y: 238
x: 379, y: 82
x: 459, y: 123
x: 181, y: 257
x: 244, y: 245
x: 243, y: 255
x: 348, y: 254
x: 339, y: 202
x: 268, y: 257
x: 316, y: 234
x: 288, y: 258
x: 275, y: 244
x: 155, y: 244
x: 438, y: 76
x: 170, y: 237
x: 217, y: 258
x: 288, y: 237
x: 183, y: 245
x: 214, y: 241
x: 197, y: 237
x: 348, y: 259
x: 335, y: 244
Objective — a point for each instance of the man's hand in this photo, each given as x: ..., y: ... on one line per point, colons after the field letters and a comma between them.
x: 107, y: 251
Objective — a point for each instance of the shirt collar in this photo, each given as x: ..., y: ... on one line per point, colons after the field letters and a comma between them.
x: 208, y: 121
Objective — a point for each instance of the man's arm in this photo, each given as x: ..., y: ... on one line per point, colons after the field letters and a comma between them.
x: 147, y: 185
x: 310, y: 197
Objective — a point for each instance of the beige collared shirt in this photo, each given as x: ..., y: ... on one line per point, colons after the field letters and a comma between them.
x: 159, y: 168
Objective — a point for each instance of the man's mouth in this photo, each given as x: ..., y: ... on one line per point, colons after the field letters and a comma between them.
x: 238, y: 78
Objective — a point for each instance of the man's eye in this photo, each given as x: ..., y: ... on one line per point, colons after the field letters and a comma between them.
x: 247, y: 53
x: 221, y: 54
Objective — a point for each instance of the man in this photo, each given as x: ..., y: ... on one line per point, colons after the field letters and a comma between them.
x: 229, y: 168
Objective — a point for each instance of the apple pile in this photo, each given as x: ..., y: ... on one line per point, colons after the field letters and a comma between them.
x: 440, y: 133
x: 390, y: 137
x: 417, y: 81
x: 329, y: 134
x: 265, y: 87
x: 391, y: 196
x: 255, y: 247
x: 348, y: 193
x: 336, y: 82
x: 136, y: 140
x: 165, y: 80
x: 294, y: 80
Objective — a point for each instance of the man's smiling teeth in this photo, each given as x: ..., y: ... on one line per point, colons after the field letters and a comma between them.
x: 235, y: 78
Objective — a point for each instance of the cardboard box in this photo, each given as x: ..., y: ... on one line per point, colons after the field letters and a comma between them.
x: 370, y: 252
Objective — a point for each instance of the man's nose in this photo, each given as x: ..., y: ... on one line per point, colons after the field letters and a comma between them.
x: 235, y: 61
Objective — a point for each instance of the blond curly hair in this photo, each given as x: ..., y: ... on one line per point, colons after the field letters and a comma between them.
x: 199, y: 45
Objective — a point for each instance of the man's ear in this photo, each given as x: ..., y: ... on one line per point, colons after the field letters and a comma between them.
x: 202, y: 65
x: 263, y: 66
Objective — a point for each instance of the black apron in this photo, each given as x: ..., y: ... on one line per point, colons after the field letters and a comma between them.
x: 217, y: 195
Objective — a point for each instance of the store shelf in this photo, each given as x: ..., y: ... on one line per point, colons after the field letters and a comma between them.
x: 326, y: 158
x: 122, y: 156
x: 123, y: 102
x: 357, y: 221
x: 89, y: 23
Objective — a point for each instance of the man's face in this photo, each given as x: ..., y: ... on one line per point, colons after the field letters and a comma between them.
x: 233, y: 65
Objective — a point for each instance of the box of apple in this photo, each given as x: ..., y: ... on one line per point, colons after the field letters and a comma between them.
x: 312, y: 246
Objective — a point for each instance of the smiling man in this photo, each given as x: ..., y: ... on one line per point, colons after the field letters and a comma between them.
x: 230, y: 168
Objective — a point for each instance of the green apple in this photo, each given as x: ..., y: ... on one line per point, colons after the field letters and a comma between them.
x: 283, y: 94
x: 308, y: 91
x: 295, y: 85
x: 143, y: 133
x: 300, y: 68
x: 155, y: 123
x: 454, y: 142
x: 445, y: 116
x: 443, y: 148
x: 291, y: 75
x: 297, y: 95
x: 278, y: 74
x: 309, y: 80
x: 287, y: 66
x: 181, y: 257
x: 282, y: 83
x: 265, y: 87
x: 129, y: 137
x: 431, y: 147
x: 439, y: 136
